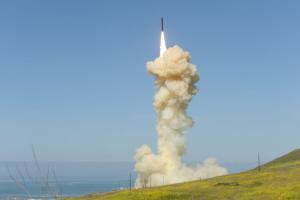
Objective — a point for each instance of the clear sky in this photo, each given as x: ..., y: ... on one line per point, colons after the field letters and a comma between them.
x: 73, y: 80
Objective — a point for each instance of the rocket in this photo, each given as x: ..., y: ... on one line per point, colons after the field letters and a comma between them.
x: 163, y: 47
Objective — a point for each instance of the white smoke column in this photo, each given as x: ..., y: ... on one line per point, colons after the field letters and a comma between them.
x: 175, y: 87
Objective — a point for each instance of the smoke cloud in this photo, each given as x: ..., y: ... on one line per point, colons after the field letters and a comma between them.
x: 175, y: 86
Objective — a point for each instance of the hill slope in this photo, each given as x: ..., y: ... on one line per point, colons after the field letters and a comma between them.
x: 278, y: 179
x: 293, y: 156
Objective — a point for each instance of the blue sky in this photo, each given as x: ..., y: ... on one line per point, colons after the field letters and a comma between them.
x: 73, y: 80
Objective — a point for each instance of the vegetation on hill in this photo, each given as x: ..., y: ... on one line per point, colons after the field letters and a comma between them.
x: 285, y: 159
x: 276, y: 180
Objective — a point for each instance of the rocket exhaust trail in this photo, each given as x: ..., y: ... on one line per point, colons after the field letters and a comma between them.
x: 175, y: 83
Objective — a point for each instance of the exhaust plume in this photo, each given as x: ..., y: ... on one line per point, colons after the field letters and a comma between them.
x: 175, y: 86
x: 163, y: 47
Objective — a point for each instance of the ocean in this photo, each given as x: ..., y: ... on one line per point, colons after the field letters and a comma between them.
x: 45, y: 180
x: 11, y: 190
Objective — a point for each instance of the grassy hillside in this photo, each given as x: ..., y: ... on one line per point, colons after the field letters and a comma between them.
x: 291, y: 157
x: 278, y: 179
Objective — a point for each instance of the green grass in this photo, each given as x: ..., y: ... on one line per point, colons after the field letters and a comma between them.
x: 277, y: 180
